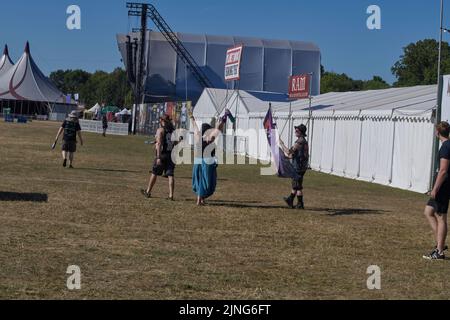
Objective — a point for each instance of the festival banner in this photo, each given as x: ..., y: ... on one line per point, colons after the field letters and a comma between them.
x: 233, y: 63
x: 299, y: 86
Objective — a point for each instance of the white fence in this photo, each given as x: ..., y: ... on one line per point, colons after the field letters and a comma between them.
x: 119, y: 129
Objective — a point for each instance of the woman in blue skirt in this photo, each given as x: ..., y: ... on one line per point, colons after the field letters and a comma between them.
x: 204, y: 175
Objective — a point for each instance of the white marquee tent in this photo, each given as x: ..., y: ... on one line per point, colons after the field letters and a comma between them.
x: 380, y: 136
x: 5, y: 62
x: 25, y: 82
x: 95, y: 108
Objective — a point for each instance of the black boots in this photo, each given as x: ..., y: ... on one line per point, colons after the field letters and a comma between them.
x: 300, y: 204
x: 290, y: 202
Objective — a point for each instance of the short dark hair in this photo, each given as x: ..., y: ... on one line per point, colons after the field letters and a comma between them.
x: 443, y: 128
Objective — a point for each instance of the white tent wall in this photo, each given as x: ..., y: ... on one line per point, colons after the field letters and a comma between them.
x: 376, y: 150
x: 381, y: 136
x: 323, y: 141
x: 347, y: 147
x: 412, y: 154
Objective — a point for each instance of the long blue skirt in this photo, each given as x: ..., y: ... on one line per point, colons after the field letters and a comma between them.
x: 204, y: 177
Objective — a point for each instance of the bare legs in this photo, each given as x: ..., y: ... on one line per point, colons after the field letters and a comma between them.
x: 68, y: 156
x: 171, y: 187
x: 152, y: 182
x: 441, y: 232
x: 200, y: 201
x: 439, y: 226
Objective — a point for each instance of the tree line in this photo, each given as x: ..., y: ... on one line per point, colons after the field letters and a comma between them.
x: 111, y: 89
x: 417, y: 66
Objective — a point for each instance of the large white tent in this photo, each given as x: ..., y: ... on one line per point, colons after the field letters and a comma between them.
x: 5, y: 62
x: 95, y: 108
x: 25, y: 82
x: 380, y: 136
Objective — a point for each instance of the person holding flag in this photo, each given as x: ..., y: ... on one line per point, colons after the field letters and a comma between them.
x: 289, y: 163
x: 204, y: 173
x: 299, y: 154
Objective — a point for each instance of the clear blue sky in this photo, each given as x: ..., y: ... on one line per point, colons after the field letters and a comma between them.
x: 338, y: 27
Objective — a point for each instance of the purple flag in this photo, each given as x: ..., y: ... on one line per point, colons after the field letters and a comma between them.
x: 285, y: 169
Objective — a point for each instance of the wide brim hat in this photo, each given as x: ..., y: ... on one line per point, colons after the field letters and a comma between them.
x: 73, y: 114
x: 302, y: 128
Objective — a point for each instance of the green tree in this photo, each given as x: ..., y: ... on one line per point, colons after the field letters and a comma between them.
x: 102, y: 87
x: 375, y: 84
x: 333, y: 82
x: 419, y: 63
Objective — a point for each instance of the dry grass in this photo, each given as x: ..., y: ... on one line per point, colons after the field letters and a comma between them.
x: 244, y: 246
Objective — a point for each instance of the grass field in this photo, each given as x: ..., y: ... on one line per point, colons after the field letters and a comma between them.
x: 244, y: 245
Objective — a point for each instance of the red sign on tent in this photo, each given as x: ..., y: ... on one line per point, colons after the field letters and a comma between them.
x: 299, y: 86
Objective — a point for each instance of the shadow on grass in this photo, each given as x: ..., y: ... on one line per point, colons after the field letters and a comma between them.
x: 242, y: 205
x: 190, y: 178
x: 108, y: 170
x: 23, y: 197
x: 257, y: 205
x: 346, y: 211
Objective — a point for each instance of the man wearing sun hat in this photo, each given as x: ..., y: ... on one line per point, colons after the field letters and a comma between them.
x: 71, y: 128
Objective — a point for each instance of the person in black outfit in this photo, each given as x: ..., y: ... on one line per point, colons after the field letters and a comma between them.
x: 437, y: 207
x: 105, y: 124
x: 71, y: 128
x: 163, y: 164
x: 299, y: 154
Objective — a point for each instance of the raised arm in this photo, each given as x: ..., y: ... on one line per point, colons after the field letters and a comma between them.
x: 194, y: 124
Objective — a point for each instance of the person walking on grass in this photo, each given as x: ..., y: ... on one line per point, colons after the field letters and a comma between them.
x: 163, y: 164
x: 71, y: 128
x: 204, y: 173
x: 105, y: 124
x: 437, y: 207
x: 299, y: 154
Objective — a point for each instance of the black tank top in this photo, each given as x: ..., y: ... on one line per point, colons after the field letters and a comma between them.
x: 167, y: 145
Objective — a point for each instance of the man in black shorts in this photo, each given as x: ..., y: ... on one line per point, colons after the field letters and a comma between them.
x: 71, y: 128
x: 299, y: 154
x: 437, y: 208
x: 163, y: 164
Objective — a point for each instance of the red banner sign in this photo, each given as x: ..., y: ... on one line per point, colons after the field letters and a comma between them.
x: 299, y: 86
x: 233, y: 63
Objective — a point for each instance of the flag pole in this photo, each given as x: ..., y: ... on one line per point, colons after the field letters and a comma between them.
x: 434, y: 163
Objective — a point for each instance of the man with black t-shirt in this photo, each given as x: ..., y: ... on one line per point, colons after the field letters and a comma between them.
x: 437, y: 208
x: 71, y: 128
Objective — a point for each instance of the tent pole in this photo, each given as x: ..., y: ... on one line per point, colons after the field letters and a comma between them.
x: 436, y: 143
x: 310, y: 117
x: 360, y: 145
x: 290, y: 124
x: 435, y: 160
